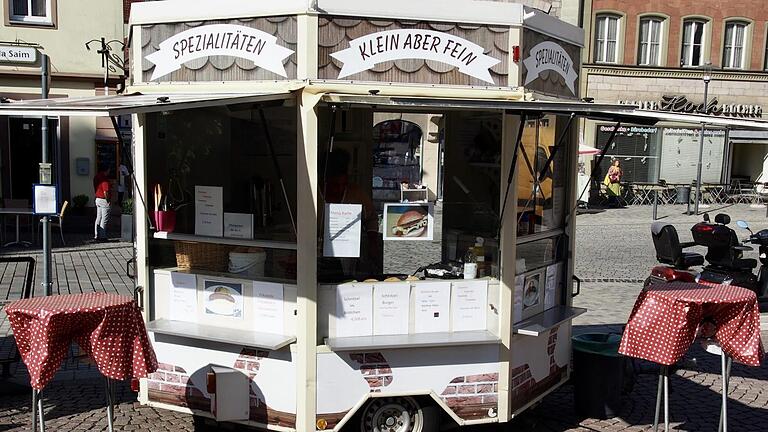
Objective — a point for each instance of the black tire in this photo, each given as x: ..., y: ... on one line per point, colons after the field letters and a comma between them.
x: 398, y: 414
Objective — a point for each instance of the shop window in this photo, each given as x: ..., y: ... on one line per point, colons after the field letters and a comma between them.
x: 396, y: 160
x: 606, y: 39
x: 31, y: 11
x: 692, y: 52
x: 541, y: 177
x: 649, y: 53
x: 637, y: 148
x: 733, y: 45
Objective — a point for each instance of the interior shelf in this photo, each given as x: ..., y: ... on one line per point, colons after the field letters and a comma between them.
x: 189, y: 330
x: 421, y: 340
x: 266, y: 244
x: 543, y: 322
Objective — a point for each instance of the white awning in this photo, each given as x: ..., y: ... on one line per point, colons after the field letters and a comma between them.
x: 708, y: 120
x: 109, y: 106
x: 627, y: 114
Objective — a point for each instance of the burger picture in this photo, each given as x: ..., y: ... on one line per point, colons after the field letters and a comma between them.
x: 407, y: 222
x: 412, y: 223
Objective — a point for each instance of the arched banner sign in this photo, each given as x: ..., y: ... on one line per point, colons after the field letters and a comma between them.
x: 219, y: 39
x: 366, y: 51
x: 550, y: 56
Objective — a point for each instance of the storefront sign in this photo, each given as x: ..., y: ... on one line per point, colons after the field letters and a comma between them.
x: 366, y: 51
x: 549, y: 56
x: 17, y: 54
x: 680, y: 104
x: 219, y: 39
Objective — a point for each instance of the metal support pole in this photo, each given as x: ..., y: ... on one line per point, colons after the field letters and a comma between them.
x: 666, y: 398
x: 655, y: 204
x: 46, y: 221
x: 701, y: 146
x: 110, y: 406
x: 658, y: 401
x: 38, y: 419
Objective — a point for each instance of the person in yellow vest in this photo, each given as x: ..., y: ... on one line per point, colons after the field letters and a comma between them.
x: 613, y: 183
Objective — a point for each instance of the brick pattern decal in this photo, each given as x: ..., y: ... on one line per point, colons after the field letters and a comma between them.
x: 524, y: 388
x: 375, y: 369
x: 472, y: 396
x: 170, y: 384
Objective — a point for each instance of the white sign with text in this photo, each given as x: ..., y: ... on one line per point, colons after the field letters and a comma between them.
x: 366, y: 51
x: 549, y: 56
x: 354, y: 310
x: 17, y: 54
x: 390, y: 308
x: 268, y: 313
x: 219, y: 39
x: 469, y: 303
x: 209, y: 211
x: 433, y: 307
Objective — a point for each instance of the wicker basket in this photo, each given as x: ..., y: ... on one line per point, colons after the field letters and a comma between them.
x: 202, y: 256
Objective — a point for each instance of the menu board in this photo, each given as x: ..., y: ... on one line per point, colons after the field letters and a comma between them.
x: 354, y: 310
x: 182, y: 305
x: 469, y: 303
x: 209, y: 211
x: 390, y: 308
x: 268, y: 307
x: 343, y: 227
x: 432, y: 302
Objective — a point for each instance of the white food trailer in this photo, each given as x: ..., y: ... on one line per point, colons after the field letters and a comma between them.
x: 290, y: 292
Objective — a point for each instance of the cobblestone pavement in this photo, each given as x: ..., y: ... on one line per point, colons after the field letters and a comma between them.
x: 611, y: 285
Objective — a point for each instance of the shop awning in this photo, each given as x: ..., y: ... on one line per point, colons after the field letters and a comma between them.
x: 114, y: 105
x: 628, y: 114
x: 739, y: 136
x: 585, y: 150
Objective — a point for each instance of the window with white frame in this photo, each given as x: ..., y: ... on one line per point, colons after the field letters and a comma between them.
x: 606, y: 38
x: 692, y: 53
x: 733, y: 45
x: 31, y: 11
x: 650, y: 41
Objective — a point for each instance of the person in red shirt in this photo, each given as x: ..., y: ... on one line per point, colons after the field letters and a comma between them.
x: 101, y: 189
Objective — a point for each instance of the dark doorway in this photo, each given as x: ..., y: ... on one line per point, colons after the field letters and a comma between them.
x: 25, y: 153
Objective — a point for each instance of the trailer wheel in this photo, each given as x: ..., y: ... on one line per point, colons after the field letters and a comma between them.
x: 397, y: 414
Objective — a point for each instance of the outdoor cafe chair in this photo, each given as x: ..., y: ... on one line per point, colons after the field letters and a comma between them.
x: 58, y: 221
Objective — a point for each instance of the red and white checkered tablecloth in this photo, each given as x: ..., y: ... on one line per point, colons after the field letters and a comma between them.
x: 665, y: 318
x: 108, y: 327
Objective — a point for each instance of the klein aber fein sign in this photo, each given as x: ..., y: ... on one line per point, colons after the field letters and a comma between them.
x: 219, y: 39
x: 17, y: 54
x: 369, y: 50
x: 550, y: 56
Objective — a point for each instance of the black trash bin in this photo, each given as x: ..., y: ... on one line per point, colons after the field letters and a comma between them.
x: 683, y: 195
x: 598, y: 374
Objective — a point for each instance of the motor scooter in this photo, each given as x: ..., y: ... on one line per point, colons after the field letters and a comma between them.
x: 675, y: 262
x: 725, y: 255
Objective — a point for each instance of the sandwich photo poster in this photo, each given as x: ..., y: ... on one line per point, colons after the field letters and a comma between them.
x: 223, y: 299
x: 408, y: 221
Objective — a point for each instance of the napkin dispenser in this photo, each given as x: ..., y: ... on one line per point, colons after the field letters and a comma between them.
x: 230, y: 397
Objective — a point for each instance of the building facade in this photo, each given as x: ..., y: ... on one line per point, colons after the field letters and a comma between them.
x: 61, y: 30
x: 656, y: 54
